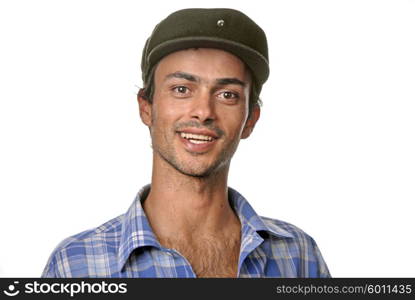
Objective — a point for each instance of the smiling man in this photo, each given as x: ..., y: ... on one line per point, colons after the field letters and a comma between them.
x: 203, y: 71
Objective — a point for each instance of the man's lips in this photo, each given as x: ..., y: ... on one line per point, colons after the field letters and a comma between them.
x: 199, y: 132
x: 197, y: 140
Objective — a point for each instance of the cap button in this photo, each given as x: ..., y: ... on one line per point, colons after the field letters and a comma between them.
x: 220, y: 23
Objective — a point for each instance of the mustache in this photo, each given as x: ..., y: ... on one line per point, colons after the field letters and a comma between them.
x: 180, y: 126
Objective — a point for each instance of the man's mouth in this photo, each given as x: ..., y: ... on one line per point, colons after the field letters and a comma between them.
x: 198, y: 141
x: 196, y: 138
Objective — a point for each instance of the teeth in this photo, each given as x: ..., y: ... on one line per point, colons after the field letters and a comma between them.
x: 197, y: 142
x: 196, y: 137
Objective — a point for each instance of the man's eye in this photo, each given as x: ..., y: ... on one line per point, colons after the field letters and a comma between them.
x: 180, y: 89
x: 228, y: 95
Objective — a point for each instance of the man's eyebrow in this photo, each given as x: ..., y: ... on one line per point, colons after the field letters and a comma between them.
x: 194, y: 78
x: 226, y: 81
x: 183, y: 75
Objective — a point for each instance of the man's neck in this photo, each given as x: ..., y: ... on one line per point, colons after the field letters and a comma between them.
x: 189, y: 207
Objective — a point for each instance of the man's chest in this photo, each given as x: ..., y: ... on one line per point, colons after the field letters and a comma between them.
x: 209, y: 257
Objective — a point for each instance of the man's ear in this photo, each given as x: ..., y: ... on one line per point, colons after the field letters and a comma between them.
x: 250, y: 123
x: 145, y: 108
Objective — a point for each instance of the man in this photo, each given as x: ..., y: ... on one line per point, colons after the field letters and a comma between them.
x: 203, y: 71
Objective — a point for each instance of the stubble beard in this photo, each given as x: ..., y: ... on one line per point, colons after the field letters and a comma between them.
x: 222, y: 162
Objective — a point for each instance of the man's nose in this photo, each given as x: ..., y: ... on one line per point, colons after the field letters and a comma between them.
x: 203, y: 107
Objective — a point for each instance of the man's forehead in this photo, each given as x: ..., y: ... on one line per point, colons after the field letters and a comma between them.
x: 202, y: 64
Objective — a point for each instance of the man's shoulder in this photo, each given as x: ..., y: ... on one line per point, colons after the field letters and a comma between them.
x: 74, y: 255
x: 106, y: 232
x: 290, y: 245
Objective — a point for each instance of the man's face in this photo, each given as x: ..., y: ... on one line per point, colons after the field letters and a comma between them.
x: 200, y: 110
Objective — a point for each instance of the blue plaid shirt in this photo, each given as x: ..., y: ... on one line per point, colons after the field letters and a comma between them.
x: 127, y: 247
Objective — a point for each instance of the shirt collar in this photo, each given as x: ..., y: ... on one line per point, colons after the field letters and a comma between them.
x: 250, y: 220
x: 136, y: 231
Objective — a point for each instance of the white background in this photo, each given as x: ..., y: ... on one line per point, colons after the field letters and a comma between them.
x: 333, y: 152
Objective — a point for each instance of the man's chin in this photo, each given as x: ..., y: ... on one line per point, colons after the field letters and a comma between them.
x: 202, y: 172
x: 194, y: 167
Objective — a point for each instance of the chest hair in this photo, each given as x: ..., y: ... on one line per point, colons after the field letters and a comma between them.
x: 208, y: 256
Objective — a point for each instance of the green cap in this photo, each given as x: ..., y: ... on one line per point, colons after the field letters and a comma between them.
x: 220, y: 28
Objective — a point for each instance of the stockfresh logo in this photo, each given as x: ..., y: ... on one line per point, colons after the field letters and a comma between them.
x: 11, y: 290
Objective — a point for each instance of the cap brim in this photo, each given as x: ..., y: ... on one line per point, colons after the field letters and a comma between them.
x: 252, y: 58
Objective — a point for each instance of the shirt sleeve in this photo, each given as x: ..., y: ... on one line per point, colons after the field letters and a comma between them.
x: 49, y: 271
x: 319, y: 267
